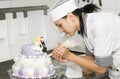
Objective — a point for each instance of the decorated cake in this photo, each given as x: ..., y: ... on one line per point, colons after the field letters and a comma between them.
x: 33, y: 61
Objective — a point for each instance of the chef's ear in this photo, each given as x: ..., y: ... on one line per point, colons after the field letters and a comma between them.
x: 70, y: 16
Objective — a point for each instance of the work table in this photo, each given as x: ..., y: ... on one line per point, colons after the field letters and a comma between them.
x: 6, y: 72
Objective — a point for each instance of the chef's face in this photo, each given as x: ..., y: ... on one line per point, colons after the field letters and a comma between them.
x: 68, y: 24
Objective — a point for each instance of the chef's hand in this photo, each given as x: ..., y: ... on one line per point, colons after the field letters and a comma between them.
x: 63, y: 51
x: 57, y: 56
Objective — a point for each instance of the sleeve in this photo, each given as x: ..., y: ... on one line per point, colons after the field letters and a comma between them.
x: 103, y: 42
x: 88, y: 53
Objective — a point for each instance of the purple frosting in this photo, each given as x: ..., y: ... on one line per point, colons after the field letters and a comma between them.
x: 28, y: 51
x: 36, y: 72
x: 23, y: 73
x: 20, y: 71
x: 50, y: 69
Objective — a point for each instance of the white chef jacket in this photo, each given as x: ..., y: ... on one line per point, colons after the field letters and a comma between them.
x: 102, y: 38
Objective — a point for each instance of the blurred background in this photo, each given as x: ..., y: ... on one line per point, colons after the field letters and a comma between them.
x: 22, y: 20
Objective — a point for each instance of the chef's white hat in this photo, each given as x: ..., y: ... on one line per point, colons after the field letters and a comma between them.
x: 61, y: 9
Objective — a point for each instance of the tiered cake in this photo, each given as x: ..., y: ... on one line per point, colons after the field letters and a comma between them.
x: 33, y: 62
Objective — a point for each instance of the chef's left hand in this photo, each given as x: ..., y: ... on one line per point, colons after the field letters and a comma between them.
x: 63, y: 51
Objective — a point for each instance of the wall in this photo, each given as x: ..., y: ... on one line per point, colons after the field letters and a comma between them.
x: 16, y: 32
x: 107, y: 5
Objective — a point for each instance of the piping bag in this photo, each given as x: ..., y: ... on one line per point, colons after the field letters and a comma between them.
x: 70, y: 42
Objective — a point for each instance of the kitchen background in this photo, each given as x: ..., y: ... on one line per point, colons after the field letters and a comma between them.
x: 19, y: 28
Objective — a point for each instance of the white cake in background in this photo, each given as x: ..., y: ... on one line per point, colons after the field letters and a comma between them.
x: 33, y: 62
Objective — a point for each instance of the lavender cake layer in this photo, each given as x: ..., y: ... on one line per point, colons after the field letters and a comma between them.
x: 32, y: 72
x: 28, y: 51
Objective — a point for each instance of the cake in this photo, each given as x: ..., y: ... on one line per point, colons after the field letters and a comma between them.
x: 33, y: 61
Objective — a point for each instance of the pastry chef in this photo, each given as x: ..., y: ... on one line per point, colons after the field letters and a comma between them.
x: 101, y: 33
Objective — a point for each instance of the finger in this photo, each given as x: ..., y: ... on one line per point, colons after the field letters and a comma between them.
x: 58, y: 56
x: 60, y: 59
x: 54, y: 54
x: 59, y: 52
x: 63, y: 59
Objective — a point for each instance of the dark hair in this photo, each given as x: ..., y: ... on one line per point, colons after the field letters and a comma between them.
x: 89, y: 8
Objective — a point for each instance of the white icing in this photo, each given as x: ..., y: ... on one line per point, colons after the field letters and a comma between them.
x: 40, y: 61
x: 30, y: 73
x: 37, y: 48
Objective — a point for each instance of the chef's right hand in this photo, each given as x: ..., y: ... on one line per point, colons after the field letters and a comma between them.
x: 58, y: 56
